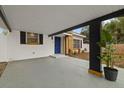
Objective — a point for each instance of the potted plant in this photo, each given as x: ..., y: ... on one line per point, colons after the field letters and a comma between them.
x: 108, y: 55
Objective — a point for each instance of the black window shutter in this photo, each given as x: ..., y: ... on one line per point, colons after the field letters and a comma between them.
x: 40, y: 38
x: 22, y: 37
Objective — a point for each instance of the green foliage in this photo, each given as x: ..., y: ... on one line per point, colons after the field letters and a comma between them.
x: 107, y: 55
x: 116, y: 28
x: 85, y: 32
x: 108, y: 51
x: 121, y: 23
x: 106, y: 38
x: 112, y: 33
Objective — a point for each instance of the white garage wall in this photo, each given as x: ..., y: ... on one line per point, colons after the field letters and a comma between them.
x: 11, y: 49
x: 3, y: 48
x: 17, y: 51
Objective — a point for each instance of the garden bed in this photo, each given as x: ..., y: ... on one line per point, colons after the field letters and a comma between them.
x: 2, y: 67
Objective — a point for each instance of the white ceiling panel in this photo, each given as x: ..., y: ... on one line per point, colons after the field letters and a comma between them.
x: 50, y: 19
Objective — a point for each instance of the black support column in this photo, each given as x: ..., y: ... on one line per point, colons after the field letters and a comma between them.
x: 95, y: 64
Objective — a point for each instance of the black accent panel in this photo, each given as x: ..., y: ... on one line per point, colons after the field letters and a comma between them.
x: 40, y: 38
x: 22, y: 37
x: 4, y: 18
x: 95, y: 63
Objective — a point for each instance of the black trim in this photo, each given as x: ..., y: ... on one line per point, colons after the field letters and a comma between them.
x: 3, y: 16
x: 22, y: 37
x: 102, y: 18
x: 40, y: 38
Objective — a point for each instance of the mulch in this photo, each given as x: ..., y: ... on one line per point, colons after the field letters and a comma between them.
x: 86, y: 57
x: 2, y: 67
x: 81, y: 56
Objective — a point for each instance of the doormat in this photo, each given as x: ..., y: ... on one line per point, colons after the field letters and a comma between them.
x: 2, y: 67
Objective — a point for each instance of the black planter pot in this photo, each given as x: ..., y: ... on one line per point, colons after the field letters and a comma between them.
x: 110, y: 74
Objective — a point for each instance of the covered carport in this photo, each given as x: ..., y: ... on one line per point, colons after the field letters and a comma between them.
x: 95, y: 28
x: 54, y: 20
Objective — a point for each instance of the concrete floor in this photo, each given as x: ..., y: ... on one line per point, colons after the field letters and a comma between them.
x: 54, y: 72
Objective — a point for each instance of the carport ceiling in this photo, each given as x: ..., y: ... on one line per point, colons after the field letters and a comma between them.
x: 51, y: 19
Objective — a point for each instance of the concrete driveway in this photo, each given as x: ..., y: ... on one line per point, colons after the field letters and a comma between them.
x: 50, y: 72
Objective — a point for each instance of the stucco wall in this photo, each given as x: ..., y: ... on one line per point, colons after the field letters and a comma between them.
x: 86, y: 46
x: 17, y: 51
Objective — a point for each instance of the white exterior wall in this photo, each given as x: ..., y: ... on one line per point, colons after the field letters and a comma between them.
x: 17, y: 51
x: 86, y: 46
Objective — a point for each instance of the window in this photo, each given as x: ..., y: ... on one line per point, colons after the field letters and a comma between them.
x: 77, y: 43
x: 31, y: 38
